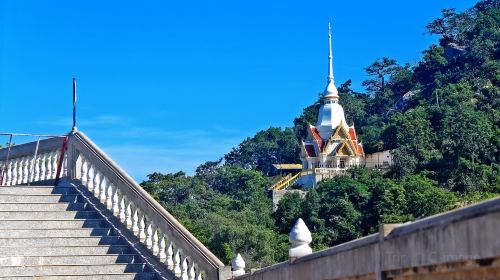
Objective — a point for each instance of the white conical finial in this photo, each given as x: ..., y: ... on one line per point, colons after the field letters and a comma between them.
x: 238, y: 266
x: 330, y: 90
x: 330, y: 64
x: 299, y: 237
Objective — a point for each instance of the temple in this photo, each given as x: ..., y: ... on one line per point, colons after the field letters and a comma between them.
x: 331, y: 147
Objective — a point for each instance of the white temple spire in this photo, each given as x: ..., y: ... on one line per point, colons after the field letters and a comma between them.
x: 330, y: 90
x: 330, y: 64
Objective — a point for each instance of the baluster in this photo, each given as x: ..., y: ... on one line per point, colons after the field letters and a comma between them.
x: 184, y: 268
x: 115, y: 207
x: 169, y: 260
x: 135, y: 220
x: 36, y: 175
x: 83, y: 171
x: 162, y: 247
x: 26, y: 163
x: 191, y: 272
x: 200, y: 276
x: 148, y: 242
x: 19, y: 171
x: 48, y: 166
x: 103, y: 190
x: 109, y: 196
x: 177, y: 263
x: 97, y: 183
x: 122, y: 207
x: 128, y: 214
x: 155, y: 249
x: 42, y: 167
x: 14, y: 172
x: 31, y: 169
x: 90, y: 177
x: 3, y: 171
x: 55, y: 156
x: 8, y: 174
x: 65, y: 165
x: 142, y: 226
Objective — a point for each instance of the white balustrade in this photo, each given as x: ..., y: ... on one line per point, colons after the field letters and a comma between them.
x: 26, y: 169
x: 122, y: 201
x: 152, y: 225
x: 137, y: 222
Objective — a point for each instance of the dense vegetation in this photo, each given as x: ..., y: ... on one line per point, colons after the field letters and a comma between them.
x: 441, y: 118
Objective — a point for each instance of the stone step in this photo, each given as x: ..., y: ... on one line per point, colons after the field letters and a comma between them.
x: 70, y: 260
x: 117, y: 276
x: 66, y: 250
x: 74, y: 232
x: 34, y: 190
x: 44, y: 206
x: 52, y: 215
x: 60, y: 241
x: 52, y: 224
x: 40, y: 198
x: 70, y: 269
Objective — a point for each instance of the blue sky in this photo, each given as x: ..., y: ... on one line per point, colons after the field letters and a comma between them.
x: 167, y: 85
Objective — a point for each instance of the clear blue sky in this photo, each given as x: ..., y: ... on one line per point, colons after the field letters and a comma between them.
x: 167, y: 85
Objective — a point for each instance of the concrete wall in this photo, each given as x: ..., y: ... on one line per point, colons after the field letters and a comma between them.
x: 461, y: 244
x: 378, y: 160
x: 278, y: 195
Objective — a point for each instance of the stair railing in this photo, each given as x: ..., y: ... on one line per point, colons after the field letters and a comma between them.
x: 288, y: 182
x: 31, y: 162
x: 173, y: 245
x: 280, y: 181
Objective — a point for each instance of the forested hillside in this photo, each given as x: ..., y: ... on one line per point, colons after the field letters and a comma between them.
x: 440, y: 116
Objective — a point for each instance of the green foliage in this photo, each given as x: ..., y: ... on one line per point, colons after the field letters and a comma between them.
x: 273, y: 145
x: 227, y: 209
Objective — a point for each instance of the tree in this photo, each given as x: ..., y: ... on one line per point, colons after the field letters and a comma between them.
x: 309, y: 116
x: 380, y: 70
x: 266, y: 148
x: 452, y: 26
x: 288, y: 211
x: 425, y: 197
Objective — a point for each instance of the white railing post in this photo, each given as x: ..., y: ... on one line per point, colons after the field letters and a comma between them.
x: 238, y: 266
x: 299, y: 237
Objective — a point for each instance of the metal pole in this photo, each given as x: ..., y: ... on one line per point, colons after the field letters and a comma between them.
x: 6, y: 161
x: 74, y: 129
x: 32, y: 166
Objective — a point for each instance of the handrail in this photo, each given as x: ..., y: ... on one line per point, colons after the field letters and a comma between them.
x: 30, y: 134
x: 139, y: 211
x: 280, y: 181
x: 289, y: 181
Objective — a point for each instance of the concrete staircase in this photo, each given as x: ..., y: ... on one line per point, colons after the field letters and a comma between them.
x: 50, y: 232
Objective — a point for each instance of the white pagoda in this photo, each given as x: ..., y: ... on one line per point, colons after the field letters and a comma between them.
x: 331, y: 147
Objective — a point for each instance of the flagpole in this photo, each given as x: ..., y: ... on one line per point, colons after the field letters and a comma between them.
x: 74, y: 129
